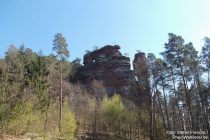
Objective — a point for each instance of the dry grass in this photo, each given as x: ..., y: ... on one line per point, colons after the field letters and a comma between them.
x: 7, y: 137
x: 25, y: 137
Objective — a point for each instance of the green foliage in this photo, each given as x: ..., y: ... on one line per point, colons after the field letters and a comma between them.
x: 75, y: 65
x: 205, y: 53
x: 40, y: 82
x: 144, y: 121
x: 113, y: 110
x: 60, y: 46
x: 22, y: 117
x: 29, y: 91
x: 68, y: 125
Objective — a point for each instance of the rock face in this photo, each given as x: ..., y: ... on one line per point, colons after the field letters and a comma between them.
x: 109, y: 66
x: 141, y: 72
x: 140, y: 69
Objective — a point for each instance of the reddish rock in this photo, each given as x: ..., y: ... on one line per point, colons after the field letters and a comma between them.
x: 142, y: 76
x: 109, y: 66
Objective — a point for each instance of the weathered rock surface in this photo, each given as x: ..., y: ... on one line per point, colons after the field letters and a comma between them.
x: 109, y: 66
x: 142, y: 74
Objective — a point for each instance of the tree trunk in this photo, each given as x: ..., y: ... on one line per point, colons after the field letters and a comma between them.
x: 4, y: 100
x: 48, y: 106
x: 150, y: 107
x: 204, y: 108
x: 187, y: 98
x: 165, y: 102
x: 95, y: 120
x: 177, y: 102
x: 46, y: 121
x: 154, y: 118
x: 61, y: 98
x: 160, y: 106
x: 208, y: 77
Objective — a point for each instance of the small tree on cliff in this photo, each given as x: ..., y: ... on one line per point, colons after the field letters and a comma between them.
x: 60, y: 46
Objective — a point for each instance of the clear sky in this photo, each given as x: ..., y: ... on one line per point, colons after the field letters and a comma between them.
x: 133, y: 24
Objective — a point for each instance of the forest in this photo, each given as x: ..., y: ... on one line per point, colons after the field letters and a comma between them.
x: 38, y: 99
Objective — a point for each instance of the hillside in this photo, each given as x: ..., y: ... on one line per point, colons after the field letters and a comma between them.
x: 46, y: 96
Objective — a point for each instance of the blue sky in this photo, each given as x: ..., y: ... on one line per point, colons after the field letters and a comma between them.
x: 133, y: 24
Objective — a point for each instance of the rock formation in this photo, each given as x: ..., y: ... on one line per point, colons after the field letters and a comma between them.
x: 109, y: 66
x: 142, y: 76
x: 141, y: 69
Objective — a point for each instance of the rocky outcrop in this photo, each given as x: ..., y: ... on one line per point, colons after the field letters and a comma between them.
x: 109, y: 66
x: 140, y: 69
x: 142, y: 76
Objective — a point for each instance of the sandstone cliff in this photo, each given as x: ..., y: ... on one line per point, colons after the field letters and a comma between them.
x: 109, y: 66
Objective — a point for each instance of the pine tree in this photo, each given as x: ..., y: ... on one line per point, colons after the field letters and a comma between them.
x: 61, y: 48
x: 176, y: 54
